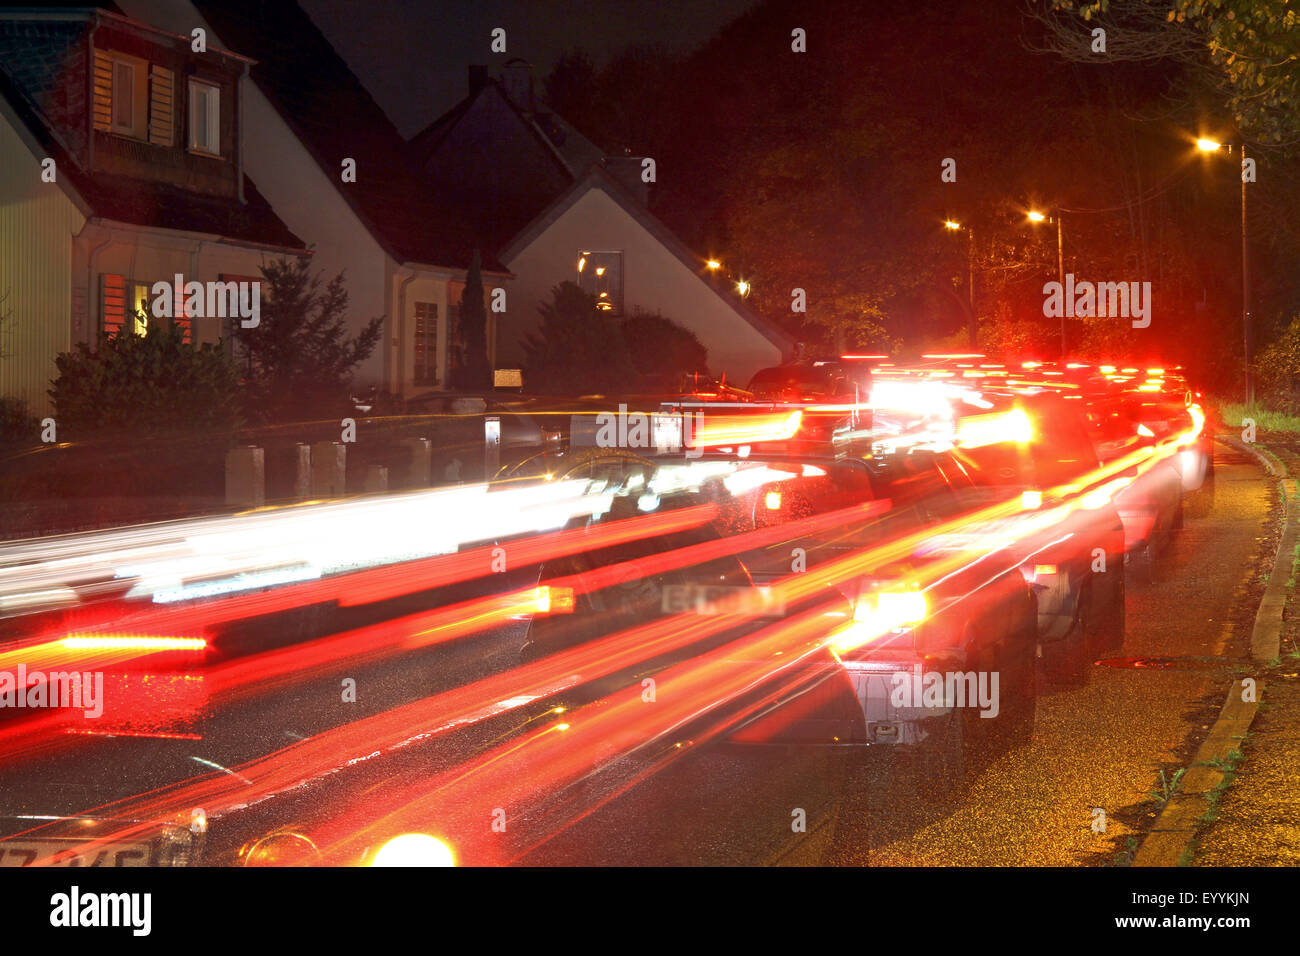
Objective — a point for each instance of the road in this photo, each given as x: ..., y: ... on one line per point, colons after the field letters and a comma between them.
x: 1098, y: 746
x: 711, y: 802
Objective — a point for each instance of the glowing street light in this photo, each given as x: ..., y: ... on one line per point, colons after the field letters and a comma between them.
x: 742, y: 287
x: 972, y: 324
x: 714, y: 264
x: 1213, y: 146
x: 1036, y: 216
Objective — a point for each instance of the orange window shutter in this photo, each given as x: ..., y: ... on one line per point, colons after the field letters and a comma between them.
x: 112, y: 297
x: 102, y: 107
x: 161, y: 106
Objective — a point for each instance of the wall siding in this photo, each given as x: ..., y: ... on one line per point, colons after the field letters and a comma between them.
x: 37, y: 223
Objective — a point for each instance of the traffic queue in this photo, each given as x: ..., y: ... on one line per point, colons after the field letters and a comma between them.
x: 965, y: 530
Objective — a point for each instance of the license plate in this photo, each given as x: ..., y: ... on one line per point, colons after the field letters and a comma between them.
x: 719, y: 599
x: 27, y: 852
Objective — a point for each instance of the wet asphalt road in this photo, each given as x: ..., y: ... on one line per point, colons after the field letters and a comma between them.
x: 1098, y: 746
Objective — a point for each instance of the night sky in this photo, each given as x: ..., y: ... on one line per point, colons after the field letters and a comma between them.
x: 412, y: 56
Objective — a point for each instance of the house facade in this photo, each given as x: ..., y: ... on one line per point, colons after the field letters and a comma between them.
x: 337, y: 172
x: 120, y: 166
x: 555, y: 209
x: 598, y: 236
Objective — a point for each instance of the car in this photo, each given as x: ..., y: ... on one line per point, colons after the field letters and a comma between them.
x: 965, y: 621
x: 1151, y: 503
x: 803, y: 382
x: 1033, y: 447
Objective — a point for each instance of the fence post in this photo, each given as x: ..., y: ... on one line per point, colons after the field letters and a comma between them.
x: 302, y: 472
x: 246, y: 476
x: 328, y: 469
x: 419, y: 470
x: 491, y: 447
x: 376, y: 478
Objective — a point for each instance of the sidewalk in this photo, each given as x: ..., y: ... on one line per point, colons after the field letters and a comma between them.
x: 1255, y: 819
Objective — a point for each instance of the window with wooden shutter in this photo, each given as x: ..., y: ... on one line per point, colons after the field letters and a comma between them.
x: 161, y: 106
x: 103, y: 105
x: 112, y: 298
x: 122, y: 301
x: 121, y: 99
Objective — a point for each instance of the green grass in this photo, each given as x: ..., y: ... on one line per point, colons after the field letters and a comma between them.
x: 1265, y: 419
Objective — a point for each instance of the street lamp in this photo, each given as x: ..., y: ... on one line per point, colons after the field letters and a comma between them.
x: 972, y: 326
x: 1036, y: 217
x: 1211, y: 146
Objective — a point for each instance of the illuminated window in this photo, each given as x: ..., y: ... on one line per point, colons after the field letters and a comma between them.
x: 426, y: 343
x: 126, y: 305
x: 601, y: 275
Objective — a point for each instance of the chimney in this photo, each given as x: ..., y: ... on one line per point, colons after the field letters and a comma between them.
x: 478, y: 77
x: 518, y: 80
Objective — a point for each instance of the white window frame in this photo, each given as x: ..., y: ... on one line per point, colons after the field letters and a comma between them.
x: 211, y: 118
x: 139, y: 96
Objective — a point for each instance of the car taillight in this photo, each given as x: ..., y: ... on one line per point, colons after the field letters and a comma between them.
x: 880, y: 612
x: 553, y: 600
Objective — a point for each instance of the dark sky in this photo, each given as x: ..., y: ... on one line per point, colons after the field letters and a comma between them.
x: 412, y: 54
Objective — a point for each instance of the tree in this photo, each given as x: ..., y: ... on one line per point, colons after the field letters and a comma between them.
x: 1249, y: 50
x: 300, y: 357
x: 472, y: 371
x: 659, y: 346
x: 577, y: 349
x: 146, y: 384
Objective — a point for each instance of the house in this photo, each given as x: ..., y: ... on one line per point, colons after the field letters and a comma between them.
x: 120, y: 166
x: 403, y: 245
x: 555, y: 208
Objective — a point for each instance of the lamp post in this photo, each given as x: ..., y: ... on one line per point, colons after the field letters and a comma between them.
x: 1035, y: 216
x: 1211, y: 146
x: 972, y: 325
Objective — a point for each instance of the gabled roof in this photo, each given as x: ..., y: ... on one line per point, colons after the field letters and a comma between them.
x: 136, y: 202
x: 572, y: 151
x: 334, y: 117
x: 598, y: 178
x: 501, y: 204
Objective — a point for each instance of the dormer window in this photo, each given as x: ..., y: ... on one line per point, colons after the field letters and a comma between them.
x: 205, y: 118
x: 129, y: 98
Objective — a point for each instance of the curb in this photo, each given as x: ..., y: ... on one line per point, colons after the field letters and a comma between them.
x: 1170, y: 840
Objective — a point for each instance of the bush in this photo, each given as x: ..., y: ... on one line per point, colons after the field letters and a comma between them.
x: 1277, y: 370
x: 577, y: 349
x: 145, y: 384
x: 18, y: 426
x: 659, y: 346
